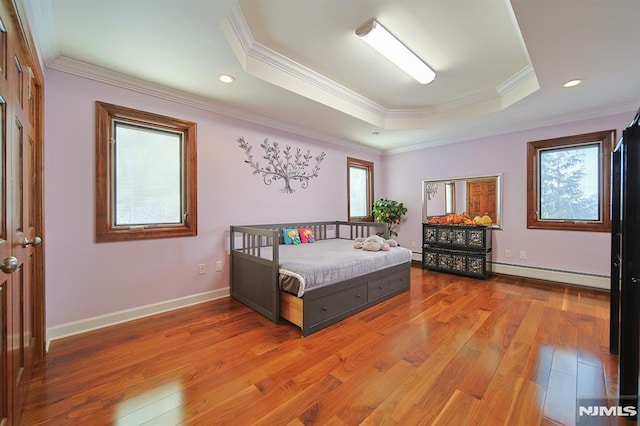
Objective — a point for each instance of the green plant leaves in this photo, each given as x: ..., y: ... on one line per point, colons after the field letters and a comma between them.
x: 389, y: 212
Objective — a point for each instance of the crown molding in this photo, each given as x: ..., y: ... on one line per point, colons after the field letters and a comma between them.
x: 92, y: 72
x: 40, y: 21
x: 272, y: 58
x: 520, y: 78
x: 621, y: 108
x: 40, y: 14
x: 95, y: 73
x: 267, y: 64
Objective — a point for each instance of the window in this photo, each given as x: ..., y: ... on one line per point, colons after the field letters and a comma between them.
x: 568, y: 182
x: 145, y: 175
x: 359, y: 190
x: 450, y: 197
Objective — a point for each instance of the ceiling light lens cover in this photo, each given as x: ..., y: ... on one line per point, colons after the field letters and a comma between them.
x: 394, y: 50
x: 572, y: 83
x: 226, y: 78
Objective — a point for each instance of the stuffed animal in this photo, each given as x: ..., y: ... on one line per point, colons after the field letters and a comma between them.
x: 374, y: 243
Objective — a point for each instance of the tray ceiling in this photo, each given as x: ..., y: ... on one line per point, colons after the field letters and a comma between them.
x: 299, y: 66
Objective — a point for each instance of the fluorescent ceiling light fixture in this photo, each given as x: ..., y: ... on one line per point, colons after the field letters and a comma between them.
x: 572, y: 83
x: 390, y: 47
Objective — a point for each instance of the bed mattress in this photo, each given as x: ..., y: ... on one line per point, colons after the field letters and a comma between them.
x: 304, y: 267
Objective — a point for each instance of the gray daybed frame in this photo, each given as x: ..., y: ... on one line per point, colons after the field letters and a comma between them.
x: 254, y: 279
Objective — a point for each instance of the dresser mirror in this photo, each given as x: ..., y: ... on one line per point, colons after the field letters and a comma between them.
x: 474, y: 195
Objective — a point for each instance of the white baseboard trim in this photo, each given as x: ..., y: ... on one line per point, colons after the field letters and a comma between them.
x: 101, y: 321
x: 574, y: 278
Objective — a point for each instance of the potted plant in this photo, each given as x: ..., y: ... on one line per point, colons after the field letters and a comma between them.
x: 389, y: 212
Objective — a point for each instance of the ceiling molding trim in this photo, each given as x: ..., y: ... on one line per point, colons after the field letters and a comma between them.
x: 238, y: 23
x: 522, y: 77
x: 465, y: 101
x: 622, y: 108
x: 271, y: 57
x: 92, y: 72
x: 484, y: 102
x: 253, y: 57
x: 238, y: 37
x: 269, y: 65
x: 518, y: 86
x: 516, y: 80
x: 42, y: 25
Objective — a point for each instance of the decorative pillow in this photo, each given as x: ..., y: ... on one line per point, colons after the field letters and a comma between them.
x: 291, y: 235
x: 306, y: 235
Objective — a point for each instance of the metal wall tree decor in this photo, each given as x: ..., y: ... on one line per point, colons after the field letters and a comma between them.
x: 431, y: 189
x: 285, y: 164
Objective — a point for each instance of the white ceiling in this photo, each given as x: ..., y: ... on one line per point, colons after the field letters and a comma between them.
x: 300, y: 67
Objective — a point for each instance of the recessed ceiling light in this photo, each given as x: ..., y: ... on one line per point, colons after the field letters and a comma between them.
x: 572, y: 83
x: 226, y: 78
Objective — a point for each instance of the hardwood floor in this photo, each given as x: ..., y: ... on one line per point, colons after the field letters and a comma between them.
x: 452, y: 351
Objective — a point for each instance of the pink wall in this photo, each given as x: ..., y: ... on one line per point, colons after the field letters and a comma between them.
x: 586, y: 252
x: 85, y: 279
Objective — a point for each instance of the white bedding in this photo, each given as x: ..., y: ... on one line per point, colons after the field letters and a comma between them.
x: 330, y: 261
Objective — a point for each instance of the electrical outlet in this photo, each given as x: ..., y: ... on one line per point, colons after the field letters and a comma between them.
x: 219, y: 266
x: 202, y: 269
x: 507, y: 253
x: 414, y: 244
x: 523, y: 254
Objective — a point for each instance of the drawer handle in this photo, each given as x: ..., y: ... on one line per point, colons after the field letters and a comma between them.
x: 325, y: 308
x: 380, y: 288
x: 358, y: 296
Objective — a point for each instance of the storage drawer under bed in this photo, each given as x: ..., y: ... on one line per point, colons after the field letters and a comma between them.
x: 328, y: 305
x: 333, y: 305
x: 384, y: 286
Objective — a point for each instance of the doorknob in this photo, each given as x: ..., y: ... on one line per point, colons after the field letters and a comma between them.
x: 9, y: 264
x: 35, y: 241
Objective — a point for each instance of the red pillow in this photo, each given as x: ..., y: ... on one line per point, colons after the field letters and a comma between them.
x: 306, y: 235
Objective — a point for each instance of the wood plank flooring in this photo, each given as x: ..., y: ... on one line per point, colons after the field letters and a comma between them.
x: 451, y: 351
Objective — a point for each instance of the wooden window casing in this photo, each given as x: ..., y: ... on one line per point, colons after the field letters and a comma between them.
x: 605, y: 140
x: 106, y: 229
x: 368, y: 166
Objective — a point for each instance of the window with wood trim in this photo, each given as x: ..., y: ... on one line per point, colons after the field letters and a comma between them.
x: 359, y: 190
x: 568, y: 182
x: 145, y: 175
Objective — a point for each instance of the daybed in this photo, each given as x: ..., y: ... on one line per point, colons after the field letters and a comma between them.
x: 339, y: 284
